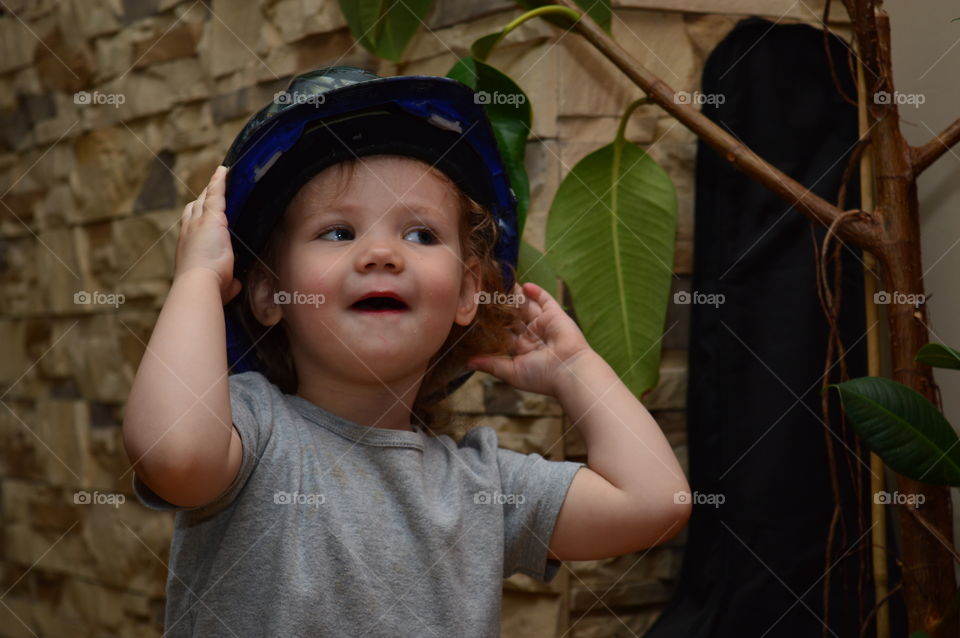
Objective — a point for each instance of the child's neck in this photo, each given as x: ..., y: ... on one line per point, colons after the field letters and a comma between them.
x: 382, y: 407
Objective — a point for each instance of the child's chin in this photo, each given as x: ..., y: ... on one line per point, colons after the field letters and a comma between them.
x: 396, y: 359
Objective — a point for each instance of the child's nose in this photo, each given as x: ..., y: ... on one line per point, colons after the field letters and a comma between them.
x: 380, y: 254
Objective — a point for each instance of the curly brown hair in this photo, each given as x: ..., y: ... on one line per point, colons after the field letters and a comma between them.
x: 488, y: 334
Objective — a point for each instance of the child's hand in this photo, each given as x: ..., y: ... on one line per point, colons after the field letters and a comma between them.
x: 204, y: 237
x: 546, y: 342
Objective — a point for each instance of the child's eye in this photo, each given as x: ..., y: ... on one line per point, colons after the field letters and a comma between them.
x: 430, y: 236
x: 425, y: 231
x: 334, y: 230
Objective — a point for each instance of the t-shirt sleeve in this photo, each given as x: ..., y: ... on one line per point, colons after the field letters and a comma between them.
x: 533, y: 489
x: 250, y: 402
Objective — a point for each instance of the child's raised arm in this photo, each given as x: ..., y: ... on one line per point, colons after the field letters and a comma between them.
x: 629, y: 496
x: 177, y: 427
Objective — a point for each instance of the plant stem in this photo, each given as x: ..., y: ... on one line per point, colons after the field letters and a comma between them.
x: 550, y: 9
x: 626, y: 115
x: 533, y: 13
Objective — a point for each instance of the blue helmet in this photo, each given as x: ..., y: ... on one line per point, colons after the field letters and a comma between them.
x: 337, y: 113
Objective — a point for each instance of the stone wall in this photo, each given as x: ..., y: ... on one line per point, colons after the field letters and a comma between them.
x: 113, y: 115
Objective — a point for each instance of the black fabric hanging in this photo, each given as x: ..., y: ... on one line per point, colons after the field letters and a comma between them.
x: 748, y: 561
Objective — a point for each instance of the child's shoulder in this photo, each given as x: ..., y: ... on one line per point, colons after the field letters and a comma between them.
x: 480, y: 437
x: 252, y: 381
x: 250, y: 376
x: 484, y: 441
x: 254, y: 398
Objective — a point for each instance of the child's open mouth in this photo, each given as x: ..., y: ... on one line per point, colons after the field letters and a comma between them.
x: 379, y: 305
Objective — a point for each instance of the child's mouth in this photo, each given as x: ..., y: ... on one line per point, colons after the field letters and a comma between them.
x: 380, y: 305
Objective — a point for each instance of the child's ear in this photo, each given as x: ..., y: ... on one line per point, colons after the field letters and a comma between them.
x: 262, y: 303
x: 469, y: 287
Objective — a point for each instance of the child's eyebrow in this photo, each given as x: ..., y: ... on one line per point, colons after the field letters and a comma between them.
x: 430, y: 213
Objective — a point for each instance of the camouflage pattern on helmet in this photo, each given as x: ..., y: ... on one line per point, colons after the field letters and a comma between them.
x: 309, y: 86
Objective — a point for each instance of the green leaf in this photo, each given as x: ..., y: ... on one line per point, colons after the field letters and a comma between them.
x: 903, y: 428
x: 533, y: 266
x: 385, y: 27
x: 481, y: 47
x: 509, y: 112
x: 610, y: 237
x: 919, y: 634
x: 939, y: 356
x: 599, y: 10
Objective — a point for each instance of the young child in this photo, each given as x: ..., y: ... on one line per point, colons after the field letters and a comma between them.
x: 360, y: 229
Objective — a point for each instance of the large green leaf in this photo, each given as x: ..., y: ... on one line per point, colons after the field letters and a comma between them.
x: 384, y: 27
x: 903, y: 428
x: 939, y: 356
x: 482, y: 46
x: 610, y: 237
x: 599, y: 10
x: 533, y: 266
x: 509, y: 112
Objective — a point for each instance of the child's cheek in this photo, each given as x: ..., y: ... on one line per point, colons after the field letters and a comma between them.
x: 448, y: 289
x: 314, y: 276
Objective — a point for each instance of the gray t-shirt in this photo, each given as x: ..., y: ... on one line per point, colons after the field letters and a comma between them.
x: 332, y: 528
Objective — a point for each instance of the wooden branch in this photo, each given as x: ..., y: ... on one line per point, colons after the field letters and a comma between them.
x: 923, y: 156
x: 927, y: 562
x: 862, y: 231
x: 933, y: 530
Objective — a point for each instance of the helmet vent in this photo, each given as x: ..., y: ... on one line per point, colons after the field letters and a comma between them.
x: 261, y: 170
x: 444, y: 123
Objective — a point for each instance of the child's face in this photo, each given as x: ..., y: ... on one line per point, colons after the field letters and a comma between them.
x: 393, y: 227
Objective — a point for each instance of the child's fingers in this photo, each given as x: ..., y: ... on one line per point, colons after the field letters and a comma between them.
x: 500, y: 367
x: 215, y: 201
x: 198, y: 206
x: 541, y: 297
x: 530, y: 309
